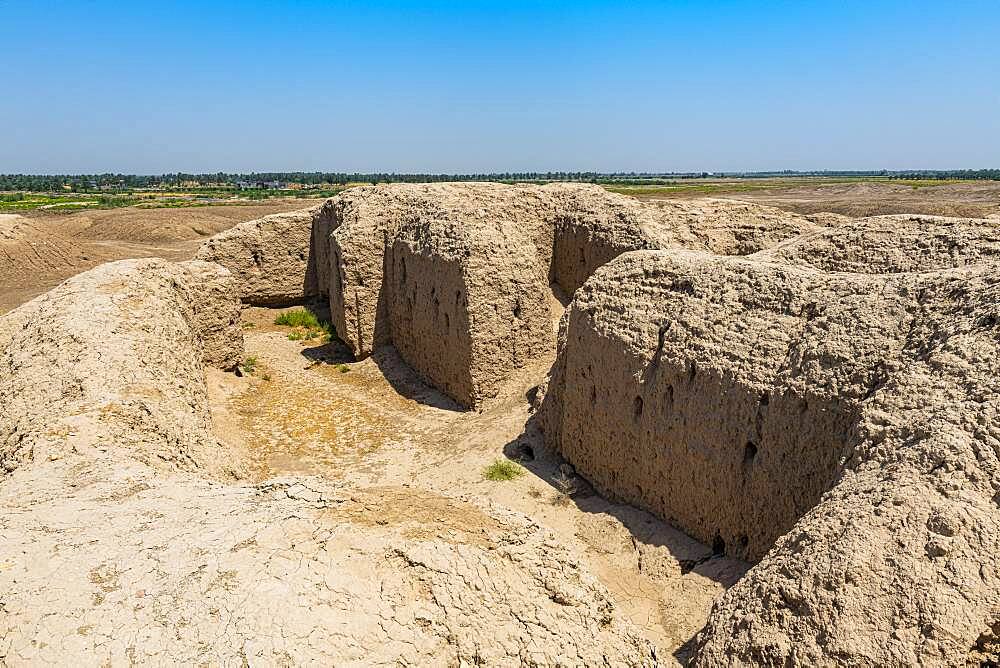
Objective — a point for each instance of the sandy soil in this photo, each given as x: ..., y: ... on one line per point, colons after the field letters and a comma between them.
x: 39, y: 250
x: 308, y: 408
x: 977, y: 199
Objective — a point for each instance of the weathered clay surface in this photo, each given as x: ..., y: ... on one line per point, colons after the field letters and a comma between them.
x: 894, y: 244
x: 466, y: 305
x: 274, y: 258
x: 457, y: 276
x: 113, y: 358
x: 121, y: 545
x: 838, y: 424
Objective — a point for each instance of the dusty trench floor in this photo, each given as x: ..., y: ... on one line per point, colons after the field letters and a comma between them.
x: 309, y: 409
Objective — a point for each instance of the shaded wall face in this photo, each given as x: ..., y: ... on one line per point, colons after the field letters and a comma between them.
x: 336, y: 295
x: 317, y: 279
x: 732, y: 465
x: 427, y: 309
x: 578, y: 250
x: 357, y: 265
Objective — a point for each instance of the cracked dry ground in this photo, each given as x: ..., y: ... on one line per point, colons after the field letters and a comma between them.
x: 308, y: 409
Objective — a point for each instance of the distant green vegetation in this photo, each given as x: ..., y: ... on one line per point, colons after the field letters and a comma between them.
x: 77, y: 198
x: 260, y: 185
x: 14, y: 202
x: 24, y: 192
x: 503, y: 469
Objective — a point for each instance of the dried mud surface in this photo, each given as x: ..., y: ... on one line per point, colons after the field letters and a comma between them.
x: 378, y: 425
x: 131, y: 533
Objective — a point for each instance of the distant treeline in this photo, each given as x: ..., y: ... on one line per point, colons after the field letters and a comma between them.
x: 86, y: 182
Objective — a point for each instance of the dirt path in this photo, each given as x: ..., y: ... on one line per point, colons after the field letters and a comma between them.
x: 308, y: 409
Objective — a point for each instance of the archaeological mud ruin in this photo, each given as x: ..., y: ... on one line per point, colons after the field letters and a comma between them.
x: 817, y: 395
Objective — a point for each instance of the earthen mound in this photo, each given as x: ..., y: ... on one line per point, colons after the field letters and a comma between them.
x: 121, y: 544
x: 273, y: 258
x: 113, y: 357
x: 828, y: 407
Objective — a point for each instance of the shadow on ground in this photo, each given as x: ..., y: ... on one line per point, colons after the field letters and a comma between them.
x: 646, y: 532
x: 397, y: 373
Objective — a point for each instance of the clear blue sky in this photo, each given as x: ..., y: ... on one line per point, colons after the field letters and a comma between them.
x: 150, y: 87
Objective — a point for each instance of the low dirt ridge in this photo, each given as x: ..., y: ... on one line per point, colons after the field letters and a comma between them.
x: 124, y: 542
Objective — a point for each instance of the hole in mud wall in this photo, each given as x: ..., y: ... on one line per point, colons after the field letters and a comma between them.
x: 637, y: 408
x: 749, y: 453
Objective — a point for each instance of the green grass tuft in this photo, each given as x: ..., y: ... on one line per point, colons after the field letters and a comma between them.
x: 306, y: 325
x: 298, y: 318
x: 503, y: 469
x: 249, y: 365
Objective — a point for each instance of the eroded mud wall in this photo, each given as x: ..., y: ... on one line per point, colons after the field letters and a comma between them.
x: 509, y: 316
x: 856, y: 407
x: 578, y: 249
x: 274, y: 258
x: 730, y: 463
x: 429, y: 321
x: 668, y: 393
x: 467, y: 305
x: 125, y: 344
x: 895, y: 565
